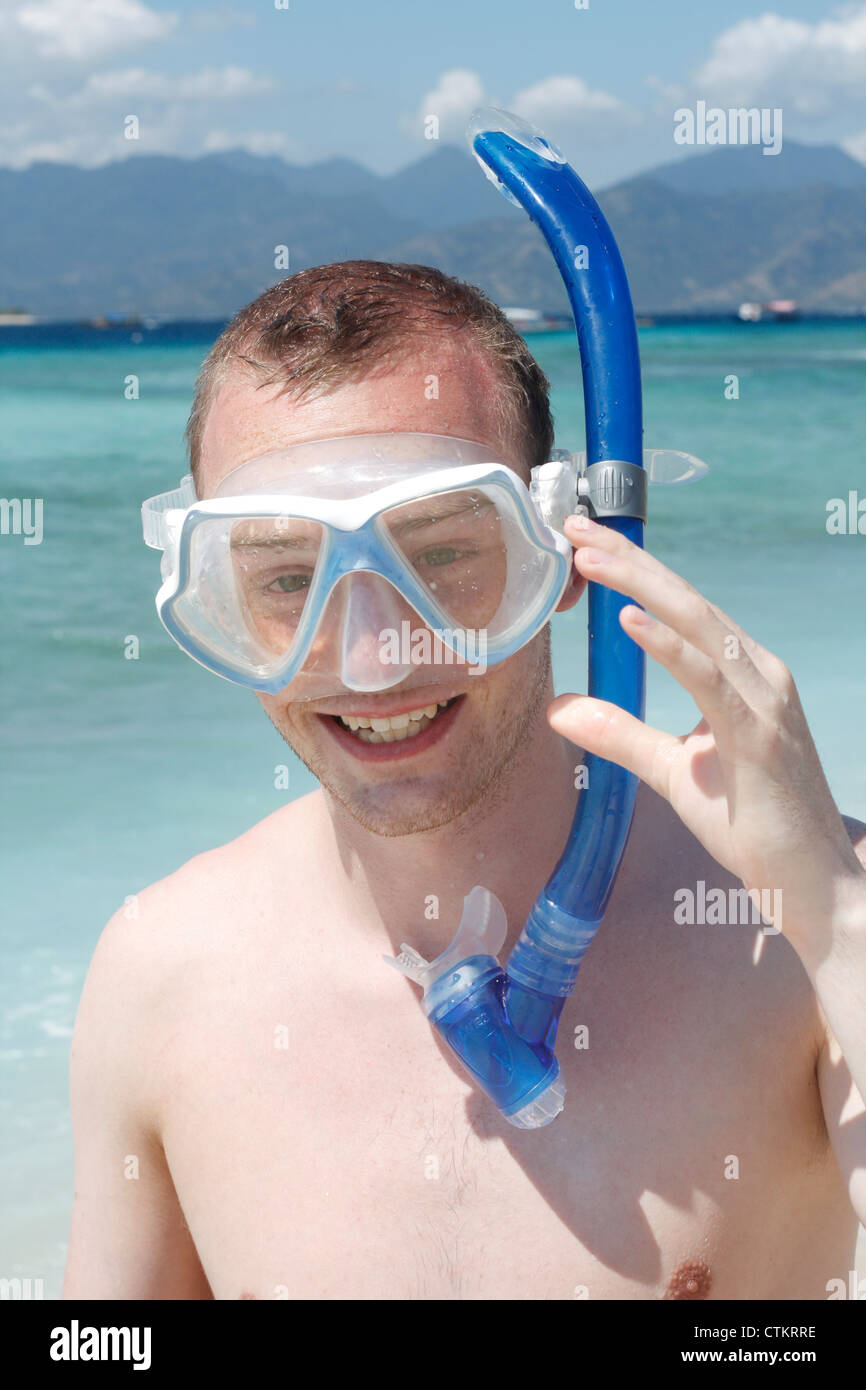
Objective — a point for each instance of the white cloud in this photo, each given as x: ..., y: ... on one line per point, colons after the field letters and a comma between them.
x: 20, y: 145
x: 451, y: 101
x: 256, y: 142
x: 86, y: 126
x: 63, y: 98
x: 84, y: 30
x: 856, y: 146
x: 141, y: 85
x: 783, y: 62
x: 562, y: 98
x: 565, y: 107
x: 214, y: 18
x: 574, y: 115
x: 666, y: 94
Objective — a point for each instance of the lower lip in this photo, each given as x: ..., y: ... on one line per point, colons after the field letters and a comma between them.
x: 400, y: 748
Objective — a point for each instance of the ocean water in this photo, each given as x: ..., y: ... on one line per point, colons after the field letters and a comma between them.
x: 116, y: 770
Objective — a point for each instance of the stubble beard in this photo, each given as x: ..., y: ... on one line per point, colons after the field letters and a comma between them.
x: 481, y: 773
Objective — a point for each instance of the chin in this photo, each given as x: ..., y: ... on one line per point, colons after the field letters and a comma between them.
x: 405, y: 809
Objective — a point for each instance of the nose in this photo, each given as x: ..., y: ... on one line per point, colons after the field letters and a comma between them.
x: 372, y: 641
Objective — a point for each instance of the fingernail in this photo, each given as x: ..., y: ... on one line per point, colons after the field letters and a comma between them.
x: 639, y: 616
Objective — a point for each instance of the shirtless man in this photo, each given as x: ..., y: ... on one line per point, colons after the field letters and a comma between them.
x: 261, y: 1109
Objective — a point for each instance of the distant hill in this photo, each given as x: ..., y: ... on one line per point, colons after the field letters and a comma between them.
x: 746, y: 169
x: 194, y: 238
x: 170, y: 237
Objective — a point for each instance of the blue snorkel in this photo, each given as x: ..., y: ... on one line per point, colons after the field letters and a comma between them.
x: 502, y: 1024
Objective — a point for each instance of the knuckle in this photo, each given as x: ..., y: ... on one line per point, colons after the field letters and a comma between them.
x: 772, y: 742
x: 783, y: 681
x: 774, y: 671
x: 673, y: 643
x: 784, y: 698
x: 698, y: 616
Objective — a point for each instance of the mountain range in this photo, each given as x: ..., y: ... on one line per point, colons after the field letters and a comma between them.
x: 162, y: 236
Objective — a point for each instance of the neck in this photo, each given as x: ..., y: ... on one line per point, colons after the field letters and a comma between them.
x: 508, y: 842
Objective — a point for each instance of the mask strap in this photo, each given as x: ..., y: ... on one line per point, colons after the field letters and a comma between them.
x: 608, y: 488
x: 154, y: 520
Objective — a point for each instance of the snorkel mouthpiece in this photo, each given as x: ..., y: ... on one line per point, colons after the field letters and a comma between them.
x: 502, y: 1024
x: 465, y: 990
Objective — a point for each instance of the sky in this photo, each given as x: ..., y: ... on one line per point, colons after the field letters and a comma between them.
x: 312, y: 79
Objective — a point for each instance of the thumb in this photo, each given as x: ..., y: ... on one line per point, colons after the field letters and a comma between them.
x: 610, y: 732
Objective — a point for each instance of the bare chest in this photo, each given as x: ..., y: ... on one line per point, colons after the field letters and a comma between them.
x: 342, y: 1156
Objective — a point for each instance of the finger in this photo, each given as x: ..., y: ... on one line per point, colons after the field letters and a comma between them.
x: 608, y: 558
x: 772, y: 668
x: 610, y: 732
x: 703, y: 678
x: 590, y: 533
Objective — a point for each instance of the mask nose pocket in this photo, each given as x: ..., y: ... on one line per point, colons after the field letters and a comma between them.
x: 372, y: 630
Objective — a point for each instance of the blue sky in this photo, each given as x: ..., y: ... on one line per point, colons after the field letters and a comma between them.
x: 357, y: 77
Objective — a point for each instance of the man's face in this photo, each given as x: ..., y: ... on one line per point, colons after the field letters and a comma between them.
x: 420, y: 782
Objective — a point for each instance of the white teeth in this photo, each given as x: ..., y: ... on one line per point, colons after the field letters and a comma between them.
x: 392, y: 728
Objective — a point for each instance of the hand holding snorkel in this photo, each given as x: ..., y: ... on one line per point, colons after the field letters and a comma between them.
x: 747, y: 780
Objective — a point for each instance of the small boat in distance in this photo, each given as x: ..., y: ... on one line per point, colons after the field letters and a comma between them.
x: 15, y: 318
x: 534, y: 321
x: 113, y: 320
x: 779, y: 310
x: 783, y: 308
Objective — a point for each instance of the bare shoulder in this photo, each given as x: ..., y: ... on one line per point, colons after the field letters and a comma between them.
x: 154, y: 949
x: 184, y: 911
x: 162, y: 973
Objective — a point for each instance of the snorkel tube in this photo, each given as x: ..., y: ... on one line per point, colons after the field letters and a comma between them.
x: 502, y: 1024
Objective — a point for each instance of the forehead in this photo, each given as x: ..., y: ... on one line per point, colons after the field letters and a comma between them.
x: 440, y: 386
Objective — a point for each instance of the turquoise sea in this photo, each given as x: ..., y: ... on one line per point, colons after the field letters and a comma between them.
x: 116, y: 770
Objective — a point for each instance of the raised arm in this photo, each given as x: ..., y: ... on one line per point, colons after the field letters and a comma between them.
x: 839, y: 976
x: 748, y: 783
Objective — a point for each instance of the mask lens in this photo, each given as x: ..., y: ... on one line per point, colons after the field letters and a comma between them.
x: 273, y: 561
x: 471, y: 550
x: 456, y: 544
x: 247, y: 588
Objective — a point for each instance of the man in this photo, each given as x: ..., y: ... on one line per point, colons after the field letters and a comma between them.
x: 262, y: 1110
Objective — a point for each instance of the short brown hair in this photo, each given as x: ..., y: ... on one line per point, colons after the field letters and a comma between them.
x: 332, y: 323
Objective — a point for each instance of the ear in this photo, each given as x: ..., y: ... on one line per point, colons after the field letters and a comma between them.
x: 574, y: 589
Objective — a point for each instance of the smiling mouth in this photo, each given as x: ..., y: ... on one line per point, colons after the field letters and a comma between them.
x: 393, y: 728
